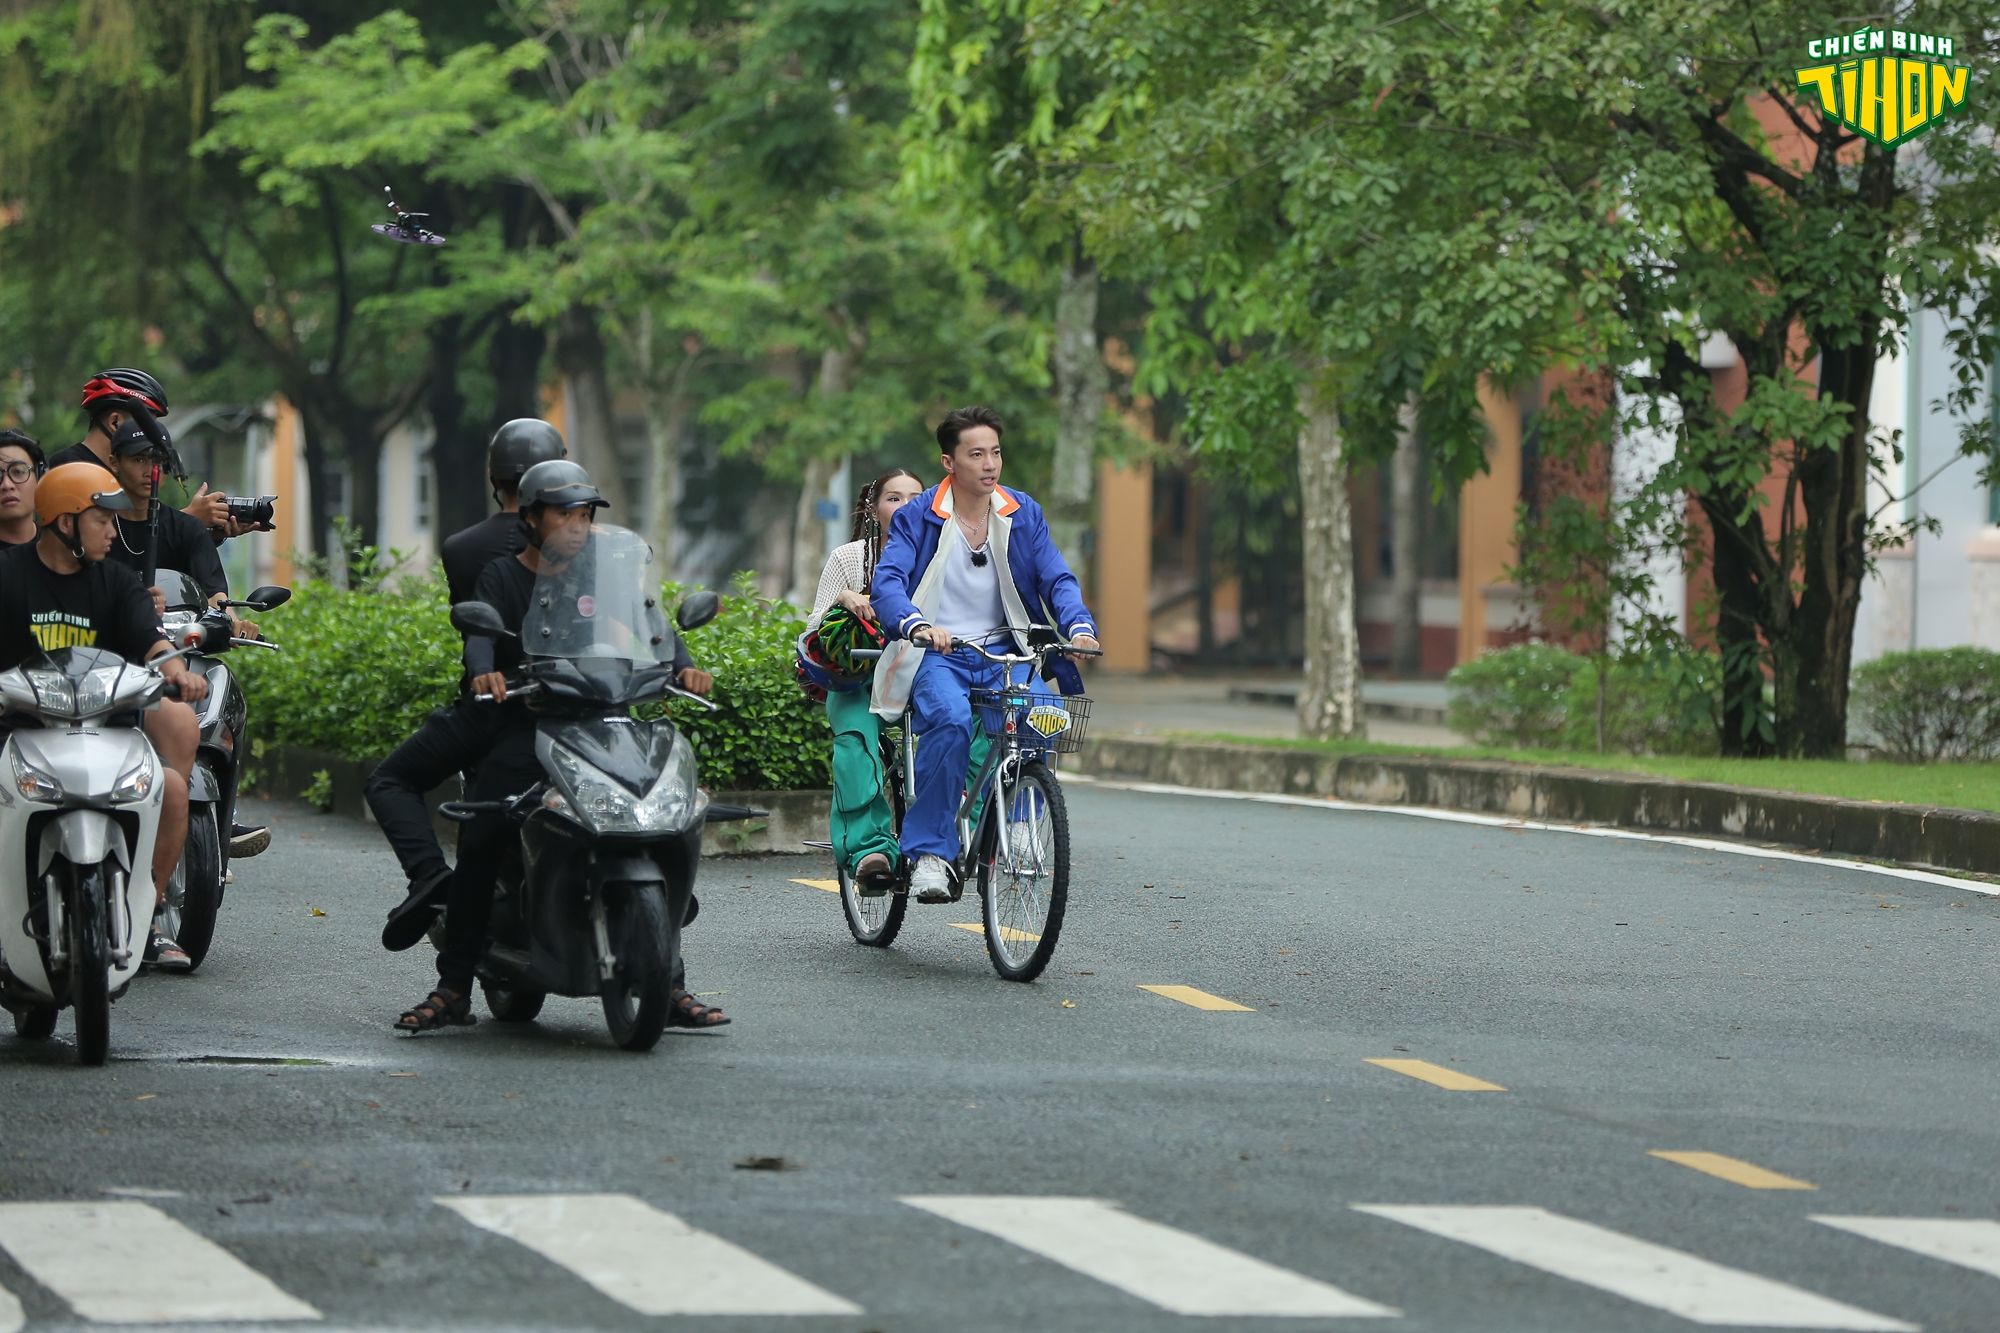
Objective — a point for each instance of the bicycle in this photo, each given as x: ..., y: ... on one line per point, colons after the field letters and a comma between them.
x: 1019, y: 863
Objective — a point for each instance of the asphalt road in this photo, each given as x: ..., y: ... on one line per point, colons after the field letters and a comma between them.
x: 268, y: 1144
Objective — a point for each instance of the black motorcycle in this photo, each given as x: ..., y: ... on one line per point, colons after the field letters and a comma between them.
x: 194, y: 895
x: 593, y: 902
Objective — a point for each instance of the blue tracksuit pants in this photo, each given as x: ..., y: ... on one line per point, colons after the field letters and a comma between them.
x: 945, y: 724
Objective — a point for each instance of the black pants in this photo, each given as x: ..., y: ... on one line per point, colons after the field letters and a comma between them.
x: 507, y: 767
x: 453, y: 739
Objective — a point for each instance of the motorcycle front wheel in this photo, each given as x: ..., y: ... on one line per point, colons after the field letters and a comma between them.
x: 89, y: 963
x: 191, y: 921
x: 639, y: 996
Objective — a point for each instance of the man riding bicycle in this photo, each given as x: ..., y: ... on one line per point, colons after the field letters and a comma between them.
x: 962, y: 559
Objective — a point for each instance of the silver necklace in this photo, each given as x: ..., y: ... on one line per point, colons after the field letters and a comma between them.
x: 129, y: 549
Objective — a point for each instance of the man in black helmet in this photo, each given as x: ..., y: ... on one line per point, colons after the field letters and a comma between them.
x: 453, y: 738
x: 516, y: 447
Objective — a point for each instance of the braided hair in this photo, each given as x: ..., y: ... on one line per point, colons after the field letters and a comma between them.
x: 866, y: 529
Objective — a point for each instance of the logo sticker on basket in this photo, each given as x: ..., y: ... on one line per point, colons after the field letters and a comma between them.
x: 1048, y: 719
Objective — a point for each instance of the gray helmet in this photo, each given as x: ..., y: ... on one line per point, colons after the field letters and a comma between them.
x: 559, y: 482
x: 519, y: 445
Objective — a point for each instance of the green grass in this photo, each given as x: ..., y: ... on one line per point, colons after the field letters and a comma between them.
x: 1961, y: 786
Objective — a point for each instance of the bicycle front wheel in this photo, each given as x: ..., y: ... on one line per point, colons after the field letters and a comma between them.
x: 1025, y: 880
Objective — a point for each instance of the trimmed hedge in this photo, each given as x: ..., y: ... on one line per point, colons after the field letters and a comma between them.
x: 361, y: 670
x: 1932, y: 704
x: 1539, y: 696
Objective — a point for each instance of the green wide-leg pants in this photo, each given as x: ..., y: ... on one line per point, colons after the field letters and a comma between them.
x: 863, y: 822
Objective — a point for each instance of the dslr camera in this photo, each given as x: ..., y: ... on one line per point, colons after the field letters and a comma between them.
x: 256, y: 512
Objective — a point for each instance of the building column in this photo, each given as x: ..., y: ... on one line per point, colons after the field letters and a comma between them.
x: 1486, y: 510
x: 1121, y: 595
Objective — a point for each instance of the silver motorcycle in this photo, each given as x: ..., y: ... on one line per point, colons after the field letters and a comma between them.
x: 80, y: 794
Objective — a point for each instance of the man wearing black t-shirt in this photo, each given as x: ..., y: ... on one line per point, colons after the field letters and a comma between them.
x: 61, y: 592
x: 168, y: 539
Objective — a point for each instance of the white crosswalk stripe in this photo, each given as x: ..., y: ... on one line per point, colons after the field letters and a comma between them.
x: 1170, y: 1269
x: 645, y: 1259
x: 1967, y: 1242
x: 1640, y: 1271
x: 11, y: 1314
x: 129, y: 1263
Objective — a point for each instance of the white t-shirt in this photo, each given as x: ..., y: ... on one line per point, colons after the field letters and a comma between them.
x: 968, y: 596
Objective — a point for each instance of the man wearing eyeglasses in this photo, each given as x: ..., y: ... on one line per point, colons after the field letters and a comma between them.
x: 21, y: 465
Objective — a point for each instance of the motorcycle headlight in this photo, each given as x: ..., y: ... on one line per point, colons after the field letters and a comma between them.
x: 605, y: 807
x: 55, y: 693
x: 34, y: 784
x: 95, y: 690
x: 136, y: 784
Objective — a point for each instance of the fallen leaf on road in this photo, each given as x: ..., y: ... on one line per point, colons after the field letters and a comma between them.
x: 315, y: 911
x: 1069, y: 1004
x: 145, y: 1096
x: 765, y: 1164
x: 402, y: 1073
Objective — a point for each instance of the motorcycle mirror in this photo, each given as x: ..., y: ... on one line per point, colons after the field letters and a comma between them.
x: 268, y: 596
x: 479, y: 618
x: 697, y: 609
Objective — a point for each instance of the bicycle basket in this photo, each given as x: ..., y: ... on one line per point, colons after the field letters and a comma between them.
x: 1042, y: 719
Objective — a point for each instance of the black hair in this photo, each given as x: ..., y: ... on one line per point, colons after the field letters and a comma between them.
x: 959, y: 419
x: 866, y: 529
x: 28, y: 445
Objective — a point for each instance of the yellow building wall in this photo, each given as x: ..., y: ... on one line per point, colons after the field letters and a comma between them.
x: 1486, y: 510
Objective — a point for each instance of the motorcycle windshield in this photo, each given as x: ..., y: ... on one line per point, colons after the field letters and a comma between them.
x: 182, y: 593
x: 602, y: 603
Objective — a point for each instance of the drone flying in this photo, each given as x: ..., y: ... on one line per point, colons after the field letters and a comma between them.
x: 405, y: 228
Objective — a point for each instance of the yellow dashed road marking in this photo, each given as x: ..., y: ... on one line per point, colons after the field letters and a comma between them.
x: 829, y: 885
x: 1199, y: 999
x: 1007, y: 933
x: 1747, y: 1174
x: 1449, y: 1079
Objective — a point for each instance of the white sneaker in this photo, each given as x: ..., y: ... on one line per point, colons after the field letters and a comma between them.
x: 931, y: 880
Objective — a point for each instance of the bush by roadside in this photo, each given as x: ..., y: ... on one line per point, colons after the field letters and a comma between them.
x: 1544, y: 697
x: 1931, y: 705
x: 360, y: 670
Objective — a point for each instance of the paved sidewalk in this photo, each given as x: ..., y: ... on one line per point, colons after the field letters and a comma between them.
x: 1398, y: 712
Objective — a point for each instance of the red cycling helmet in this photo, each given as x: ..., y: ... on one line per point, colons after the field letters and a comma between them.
x: 123, y: 387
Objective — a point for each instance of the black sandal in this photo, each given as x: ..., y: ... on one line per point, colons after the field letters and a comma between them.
x: 439, y: 1009
x: 876, y: 881
x: 684, y: 1011
x: 165, y: 955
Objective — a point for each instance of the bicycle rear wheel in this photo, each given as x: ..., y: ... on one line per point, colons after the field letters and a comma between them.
x: 1025, y: 882
x: 876, y: 921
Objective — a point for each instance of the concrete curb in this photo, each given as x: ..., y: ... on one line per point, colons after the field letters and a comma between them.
x: 289, y: 772
x: 1941, y: 839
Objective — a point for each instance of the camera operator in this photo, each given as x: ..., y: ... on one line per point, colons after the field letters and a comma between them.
x: 113, y: 400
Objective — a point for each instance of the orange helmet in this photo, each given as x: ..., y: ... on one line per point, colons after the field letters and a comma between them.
x: 75, y: 487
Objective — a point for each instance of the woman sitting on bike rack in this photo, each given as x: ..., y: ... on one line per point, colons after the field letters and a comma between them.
x: 966, y: 556
x: 862, y: 825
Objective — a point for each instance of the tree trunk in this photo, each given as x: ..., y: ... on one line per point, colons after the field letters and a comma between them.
x: 1330, y: 702
x: 362, y: 445
x: 1081, y: 383
x: 836, y: 377
x: 667, y: 416
x: 313, y: 431
x: 456, y: 452
x: 514, y: 354
x: 593, y: 416
x: 1406, y: 523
